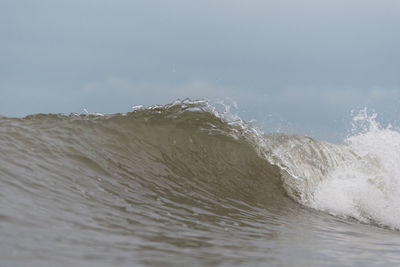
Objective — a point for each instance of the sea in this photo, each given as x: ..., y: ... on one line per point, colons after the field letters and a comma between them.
x: 185, y: 185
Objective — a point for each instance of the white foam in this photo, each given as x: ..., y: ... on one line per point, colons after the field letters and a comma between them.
x: 93, y: 113
x: 367, y: 188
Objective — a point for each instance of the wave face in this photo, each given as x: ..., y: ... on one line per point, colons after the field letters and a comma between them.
x: 173, y: 179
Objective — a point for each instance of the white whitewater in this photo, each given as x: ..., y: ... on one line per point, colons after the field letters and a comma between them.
x: 367, y: 189
x: 358, y: 180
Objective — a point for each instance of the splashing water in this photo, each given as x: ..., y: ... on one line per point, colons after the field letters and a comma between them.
x: 368, y: 188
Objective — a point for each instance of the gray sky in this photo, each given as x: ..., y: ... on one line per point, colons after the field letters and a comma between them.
x: 296, y: 65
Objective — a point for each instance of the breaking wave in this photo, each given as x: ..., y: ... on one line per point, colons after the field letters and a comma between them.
x: 183, y: 164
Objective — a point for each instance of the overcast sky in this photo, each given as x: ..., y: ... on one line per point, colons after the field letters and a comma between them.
x: 299, y: 65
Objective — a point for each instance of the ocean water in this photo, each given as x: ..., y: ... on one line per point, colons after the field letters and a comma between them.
x: 183, y: 185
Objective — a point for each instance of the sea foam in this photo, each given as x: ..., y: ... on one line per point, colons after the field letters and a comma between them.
x: 368, y: 188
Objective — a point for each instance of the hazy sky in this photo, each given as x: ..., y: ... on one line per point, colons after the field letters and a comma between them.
x: 300, y: 65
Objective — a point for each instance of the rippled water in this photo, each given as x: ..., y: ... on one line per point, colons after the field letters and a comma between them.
x: 180, y: 185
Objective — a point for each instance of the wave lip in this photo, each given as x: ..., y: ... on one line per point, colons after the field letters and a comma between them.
x: 305, y: 162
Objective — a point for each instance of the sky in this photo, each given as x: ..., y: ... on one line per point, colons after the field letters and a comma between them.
x: 300, y: 66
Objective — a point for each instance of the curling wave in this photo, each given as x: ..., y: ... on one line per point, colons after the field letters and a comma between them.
x: 183, y: 164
